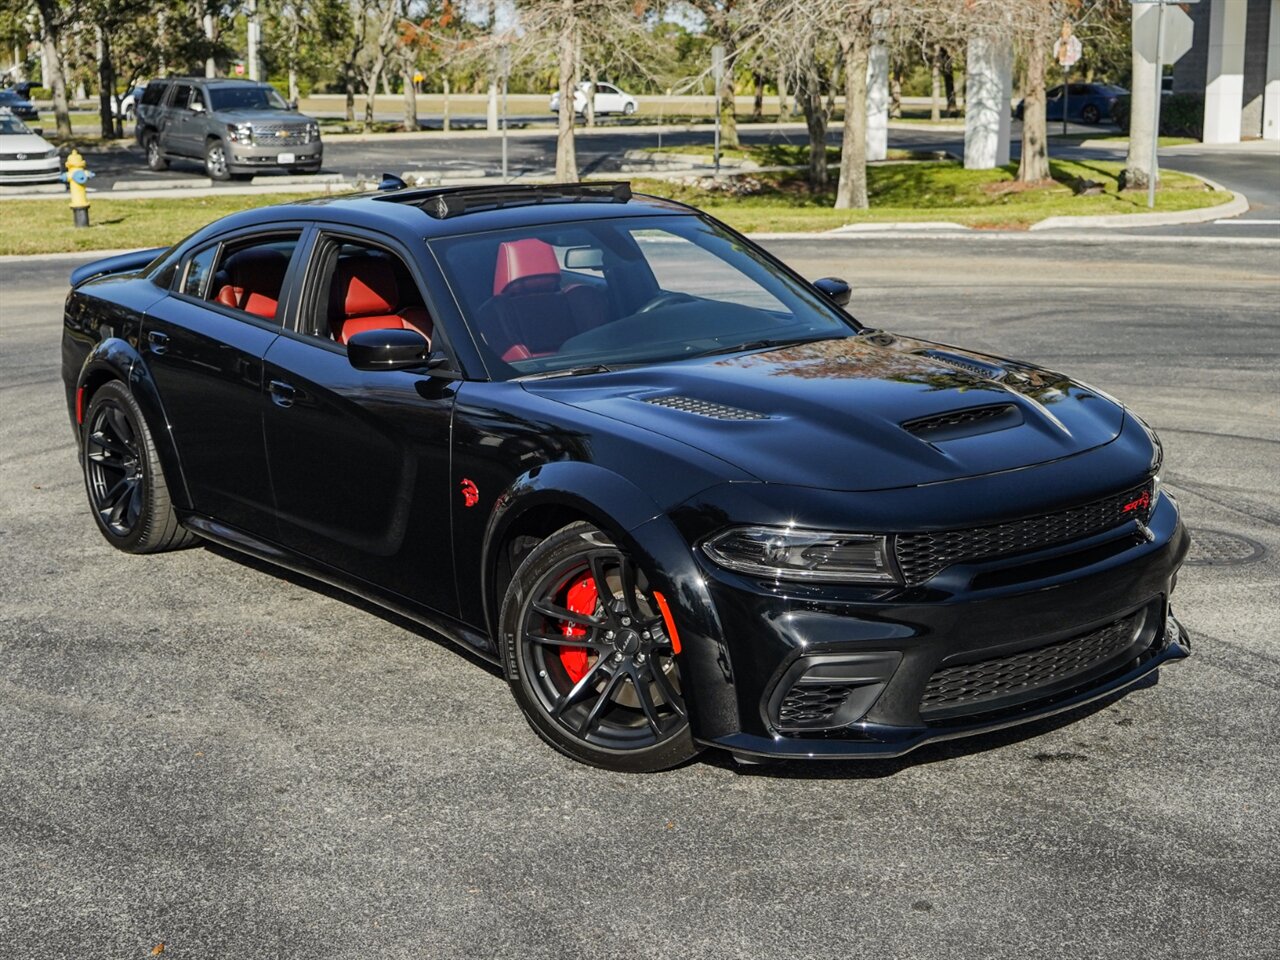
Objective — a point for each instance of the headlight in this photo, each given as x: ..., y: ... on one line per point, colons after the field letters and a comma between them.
x: 240, y: 132
x: 1157, y: 460
x: 313, y: 132
x: 784, y: 553
x: 50, y: 154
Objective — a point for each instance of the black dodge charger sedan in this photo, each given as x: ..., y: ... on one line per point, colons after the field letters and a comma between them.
x: 675, y: 491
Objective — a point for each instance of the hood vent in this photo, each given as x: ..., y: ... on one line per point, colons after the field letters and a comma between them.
x: 987, y: 371
x: 705, y: 408
x: 964, y: 423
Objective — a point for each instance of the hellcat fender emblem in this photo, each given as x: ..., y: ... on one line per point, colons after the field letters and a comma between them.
x: 470, y: 493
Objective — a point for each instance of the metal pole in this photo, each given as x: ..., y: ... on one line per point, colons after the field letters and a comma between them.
x: 1154, y: 170
x: 1066, y: 96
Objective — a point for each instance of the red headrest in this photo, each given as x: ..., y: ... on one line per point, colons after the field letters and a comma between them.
x: 367, y: 286
x: 259, y: 269
x: 524, y: 260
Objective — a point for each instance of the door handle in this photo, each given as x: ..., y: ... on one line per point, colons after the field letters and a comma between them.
x: 282, y: 394
x: 159, y: 342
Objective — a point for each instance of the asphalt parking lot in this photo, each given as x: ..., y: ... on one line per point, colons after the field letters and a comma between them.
x: 200, y: 752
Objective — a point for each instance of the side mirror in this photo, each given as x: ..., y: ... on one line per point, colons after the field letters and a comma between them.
x: 391, y: 350
x: 197, y: 106
x: 837, y: 290
x: 38, y: 131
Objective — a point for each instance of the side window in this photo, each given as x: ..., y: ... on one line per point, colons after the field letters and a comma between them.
x: 198, y: 271
x: 181, y: 96
x: 245, y: 275
x: 154, y: 93
x: 681, y: 266
x: 357, y: 286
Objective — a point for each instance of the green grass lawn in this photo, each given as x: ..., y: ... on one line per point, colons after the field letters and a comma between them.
x: 916, y: 191
x: 777, y: 154
x: 937, y: 191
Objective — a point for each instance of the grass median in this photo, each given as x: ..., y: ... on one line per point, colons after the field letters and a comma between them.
x: 764, y: 202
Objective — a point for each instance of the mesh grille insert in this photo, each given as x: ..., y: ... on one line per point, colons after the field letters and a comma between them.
x: 705, y: 408
x: 922, y: 555
x: 279, y: 135
x: 811, y: 703
x: 975, y: 687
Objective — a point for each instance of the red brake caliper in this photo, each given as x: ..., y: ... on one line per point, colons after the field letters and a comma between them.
x: 581, y: 598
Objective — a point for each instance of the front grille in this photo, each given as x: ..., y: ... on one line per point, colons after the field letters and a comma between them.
x: 978, y: 687
x: 809, y: 704
x: 279, y: 135
x: 922, y: 555
x: 957, y: 419
x: 705, y: 408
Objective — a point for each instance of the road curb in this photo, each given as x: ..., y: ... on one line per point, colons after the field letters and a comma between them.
x: 1234, y: 207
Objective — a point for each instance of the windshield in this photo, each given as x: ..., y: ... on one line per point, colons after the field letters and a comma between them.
x: 9, y: 124
x: 246, y: 98
x: 622, y: 292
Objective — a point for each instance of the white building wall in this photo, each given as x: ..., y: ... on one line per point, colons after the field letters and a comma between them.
x: 1271, y: 92
x: 1224, y: 76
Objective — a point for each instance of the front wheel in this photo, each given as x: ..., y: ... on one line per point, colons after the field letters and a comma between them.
x: 1090, y: 114
x: 124, y: 480
x: 215, y: 161
x: 629, y: 109
x: 588, y: 657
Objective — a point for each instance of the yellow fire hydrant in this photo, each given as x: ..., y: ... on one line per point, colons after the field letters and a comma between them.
x: 76, y: 177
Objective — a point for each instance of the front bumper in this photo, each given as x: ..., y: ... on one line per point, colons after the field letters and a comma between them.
x: 42, y: 170
x: 888, y: 651
x: 243, y: 158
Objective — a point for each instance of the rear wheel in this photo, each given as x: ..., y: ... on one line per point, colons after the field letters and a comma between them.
x: 629, y: 109
x: 122, y: 475
x: 1090, y: 114
x: 155, y: 157
x: 588, y: 657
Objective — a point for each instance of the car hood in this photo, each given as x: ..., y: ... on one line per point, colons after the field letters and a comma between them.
x: 862, y: 413
x: 263, y: 116
x: 34, y: 147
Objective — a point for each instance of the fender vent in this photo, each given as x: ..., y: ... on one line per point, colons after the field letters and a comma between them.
x: 963, y: 423
x: 705, y: 408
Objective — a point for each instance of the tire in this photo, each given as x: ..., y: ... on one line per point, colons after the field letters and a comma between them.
x: 628, y: 109
x: 1090, y: 114
x: 123, y: 478
x: 215, y: 160
x: 155, y: 158
x: 614, y: 700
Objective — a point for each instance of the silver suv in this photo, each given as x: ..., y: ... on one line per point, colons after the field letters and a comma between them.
x: 235, y: 127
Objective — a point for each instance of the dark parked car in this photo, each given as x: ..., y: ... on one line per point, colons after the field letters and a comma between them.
x: 18, y: 105
x: 236, y: 128
x: 1086, y: 102
x: 674, y: 490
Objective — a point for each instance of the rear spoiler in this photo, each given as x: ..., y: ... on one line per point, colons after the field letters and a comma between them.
x: 122, y: 263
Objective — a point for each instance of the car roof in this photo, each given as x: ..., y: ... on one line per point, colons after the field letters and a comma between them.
x: 405, y: 211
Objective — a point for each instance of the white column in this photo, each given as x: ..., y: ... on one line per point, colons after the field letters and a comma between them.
x: 1271, y: 93
x: 878, y: 102
x: 1224, y: 77
x: 987, y: 93
x: 491, y: 114
x: 253, y: 38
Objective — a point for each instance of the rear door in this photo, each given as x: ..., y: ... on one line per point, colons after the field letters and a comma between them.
x: 176, y: 121
x: 360, y: 459
x: 608, y: 98
x: 204, y: 346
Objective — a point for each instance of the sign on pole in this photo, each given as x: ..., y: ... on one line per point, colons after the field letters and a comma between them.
x: 1155, y: 40
x: 1067, y: 50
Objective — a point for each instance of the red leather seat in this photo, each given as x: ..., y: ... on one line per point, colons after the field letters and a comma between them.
x: 366, y: 296
x: 254, y: 279
x: 531, y: 313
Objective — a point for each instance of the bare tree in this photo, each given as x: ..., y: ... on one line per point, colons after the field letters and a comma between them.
x: 734, y: 24
x: 51, y: 24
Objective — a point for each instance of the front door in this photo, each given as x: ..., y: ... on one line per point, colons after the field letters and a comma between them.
x: 360, y: 460
x: 204, y: 346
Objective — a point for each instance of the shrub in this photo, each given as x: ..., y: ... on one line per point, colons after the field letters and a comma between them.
x: 1181, y: 115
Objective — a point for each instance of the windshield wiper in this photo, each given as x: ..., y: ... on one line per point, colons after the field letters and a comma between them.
x: 567, y: 372
x: 762, y: 344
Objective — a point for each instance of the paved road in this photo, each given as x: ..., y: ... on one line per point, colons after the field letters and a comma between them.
x: 198, y: 751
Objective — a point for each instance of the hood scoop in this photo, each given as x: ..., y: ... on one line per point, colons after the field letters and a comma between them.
x: 705, y: 408
x: 964, y: 423
x: 987, y: 371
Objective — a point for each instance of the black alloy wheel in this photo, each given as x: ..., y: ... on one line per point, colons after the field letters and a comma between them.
x: 589, y: 658
x: 122, y: 475
x: 1090, y: 114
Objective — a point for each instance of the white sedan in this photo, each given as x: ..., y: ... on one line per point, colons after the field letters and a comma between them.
x: 609, y: 99
x: 25, y: 157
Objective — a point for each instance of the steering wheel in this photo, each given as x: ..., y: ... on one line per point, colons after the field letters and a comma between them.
x: 663, y: 300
